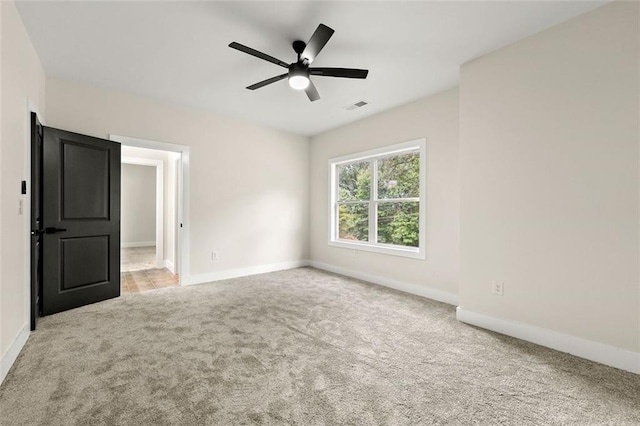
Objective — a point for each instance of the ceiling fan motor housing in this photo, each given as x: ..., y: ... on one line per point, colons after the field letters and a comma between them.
x: 299, y: 68
x: 299, y: 71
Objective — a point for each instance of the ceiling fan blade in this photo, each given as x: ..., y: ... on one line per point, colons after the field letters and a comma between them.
x: 339, y: 72
x: 312, y: 92
x: 257, y: 54
x: 268, y: 81
x: 320, y: 37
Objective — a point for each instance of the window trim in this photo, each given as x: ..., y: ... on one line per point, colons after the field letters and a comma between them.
x: 419, y: 145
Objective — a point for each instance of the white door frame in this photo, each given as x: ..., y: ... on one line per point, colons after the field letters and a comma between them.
x: 182, y: 257
x: 159, y: 165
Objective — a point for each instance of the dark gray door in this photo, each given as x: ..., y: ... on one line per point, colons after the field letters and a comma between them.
x: 80, y: 220
x: 36, y: 215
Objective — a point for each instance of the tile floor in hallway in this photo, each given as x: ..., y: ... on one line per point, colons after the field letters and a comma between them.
x: 138, y: 271
x: 137, y: 258
x: 147, y: 279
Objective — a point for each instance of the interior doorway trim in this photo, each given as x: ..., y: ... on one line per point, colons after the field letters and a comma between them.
x: 182, y: 256
x: 159, y: 165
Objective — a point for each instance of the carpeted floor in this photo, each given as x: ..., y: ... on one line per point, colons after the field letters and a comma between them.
x: 298, y: 347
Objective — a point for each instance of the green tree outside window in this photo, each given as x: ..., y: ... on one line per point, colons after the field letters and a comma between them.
x: 394, y: 201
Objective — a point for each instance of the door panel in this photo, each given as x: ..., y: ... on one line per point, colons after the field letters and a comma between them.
x: 81, y: 212
x: 84, y: 261
x: 85, y: 181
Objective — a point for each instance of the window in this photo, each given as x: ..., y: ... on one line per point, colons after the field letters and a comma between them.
x: 377, y: 200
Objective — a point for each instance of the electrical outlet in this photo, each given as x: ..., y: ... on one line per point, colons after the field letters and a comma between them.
x: 497, y: 288
x: 214, y: 255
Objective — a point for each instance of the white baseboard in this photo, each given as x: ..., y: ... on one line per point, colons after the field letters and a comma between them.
x: 138, y: 244
x: 169, y: 265
x: 243, y: 272
x: 583, y: 348
x: 418, y: 290
x: 14, y: 350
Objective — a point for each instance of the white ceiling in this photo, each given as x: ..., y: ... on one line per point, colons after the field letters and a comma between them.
x: 177, y: 51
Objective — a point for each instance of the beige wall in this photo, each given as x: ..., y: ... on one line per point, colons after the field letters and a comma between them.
x: 434, y: 118
x: 249, y: 184
x: 549, y: 179
x: 138, y: 206
x: 22, y: 78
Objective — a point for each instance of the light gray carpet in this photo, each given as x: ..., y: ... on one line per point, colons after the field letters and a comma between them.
x: 298, y: 347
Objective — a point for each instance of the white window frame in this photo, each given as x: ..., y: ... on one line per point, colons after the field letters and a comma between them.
x: 418, y: 145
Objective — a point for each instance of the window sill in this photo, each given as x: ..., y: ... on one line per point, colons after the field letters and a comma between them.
x: 410, y: 252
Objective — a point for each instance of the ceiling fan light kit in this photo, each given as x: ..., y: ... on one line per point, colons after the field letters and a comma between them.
x: 298, y: 77
x: 299, y: 71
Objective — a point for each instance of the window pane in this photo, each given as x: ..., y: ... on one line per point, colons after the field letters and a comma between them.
x: 353, y: 221
x: 354, y: 181
x: 399, y: 176
x: 398, y: 223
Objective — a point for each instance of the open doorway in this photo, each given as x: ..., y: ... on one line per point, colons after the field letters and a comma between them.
x: 149, y: 219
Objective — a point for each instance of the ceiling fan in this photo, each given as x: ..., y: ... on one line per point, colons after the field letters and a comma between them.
x: 300, y: 71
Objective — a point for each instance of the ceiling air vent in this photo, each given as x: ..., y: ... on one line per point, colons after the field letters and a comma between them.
x: 357, y: 105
